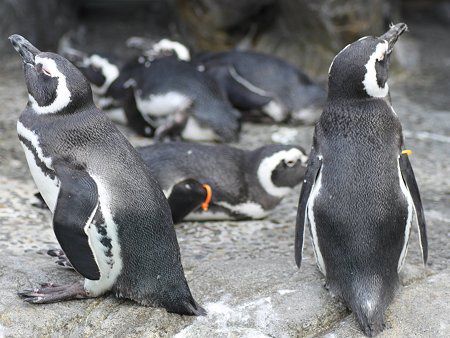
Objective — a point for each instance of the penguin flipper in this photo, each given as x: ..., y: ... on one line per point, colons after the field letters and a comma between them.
x: 75, y: 207
x: 243, y: 94
x: 314, y: 164
x: 186, y: 196
x: 410, y: 180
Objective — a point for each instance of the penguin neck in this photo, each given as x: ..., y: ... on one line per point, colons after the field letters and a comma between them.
x: 256, y: 190
x: 72, y: 107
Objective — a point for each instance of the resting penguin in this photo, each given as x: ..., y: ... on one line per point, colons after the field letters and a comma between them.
x: 359, y: 192
x: 116, y: 230
x: 102, y: 71
x: 163, y: 47
x: 173, y: 98
x: 228, y: 183
x: 259, y: 82
x: 162, y: 96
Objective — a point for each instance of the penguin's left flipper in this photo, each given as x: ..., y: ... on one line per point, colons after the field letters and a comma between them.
x: 410, y: 180
x: 75, y: 208
x: 314, y: 165
x: 186, y: 196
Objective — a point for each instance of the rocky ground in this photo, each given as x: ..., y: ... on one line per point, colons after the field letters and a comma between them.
x: 243, y: 273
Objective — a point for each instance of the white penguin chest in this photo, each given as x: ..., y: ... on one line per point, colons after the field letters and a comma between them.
x: 249, y: 209
x: 158, y: 105
x: 48, y: 186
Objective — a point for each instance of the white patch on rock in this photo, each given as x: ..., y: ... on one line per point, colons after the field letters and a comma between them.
x: 370, y: 78
x: 426, y: 136
x: 255, y: 318
x: 285, y: 135
x: 286, y: 292
x: 63, y: 95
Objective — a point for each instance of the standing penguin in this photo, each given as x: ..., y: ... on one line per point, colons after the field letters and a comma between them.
x: 228, y: 183
x: 359, y: 192
x: 116, y: 230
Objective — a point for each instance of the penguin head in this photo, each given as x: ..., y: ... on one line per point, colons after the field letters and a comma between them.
x: 53, y: 82
x: 100, y: 70
x: 361, y: 68
x: 162, y: 48
x: 280, y: 168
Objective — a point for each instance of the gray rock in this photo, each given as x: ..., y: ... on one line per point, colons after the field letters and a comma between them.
x: 42, y: 22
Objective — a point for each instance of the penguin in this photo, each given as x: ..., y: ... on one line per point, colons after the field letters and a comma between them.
x: 162, y: 96
x: 359, y: 192
x: 102, y: 71
x: 116, y: 230
x: 174, y: 99
x: 220, y: 182
x: 261, y: 83
x: 164, y: 47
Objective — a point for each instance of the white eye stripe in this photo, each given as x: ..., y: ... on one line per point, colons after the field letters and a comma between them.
x: 63, y: 95
x: 370, y: 78
x: 109, y: 71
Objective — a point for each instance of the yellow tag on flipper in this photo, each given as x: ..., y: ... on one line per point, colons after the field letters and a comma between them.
x: 407, y: 152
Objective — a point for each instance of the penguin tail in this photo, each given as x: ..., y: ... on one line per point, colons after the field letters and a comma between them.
x: 368, y: 299
x: 188, y: 307
x: 371, y: 323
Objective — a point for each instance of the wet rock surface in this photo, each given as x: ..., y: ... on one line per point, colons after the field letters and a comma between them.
x: 242, y: 272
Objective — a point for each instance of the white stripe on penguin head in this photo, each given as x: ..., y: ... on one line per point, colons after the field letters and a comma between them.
x: 269, y: 164
x: 63, y: 96
x: 370, y: 78
x: 109, y: 71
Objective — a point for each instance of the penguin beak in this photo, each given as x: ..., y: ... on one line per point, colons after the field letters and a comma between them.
x: 26, y: 50
x: 392, y: 35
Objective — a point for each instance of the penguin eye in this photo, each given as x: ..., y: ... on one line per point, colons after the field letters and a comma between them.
x: 290, y: 163
x: 46, y: 72
x: 380, y: 58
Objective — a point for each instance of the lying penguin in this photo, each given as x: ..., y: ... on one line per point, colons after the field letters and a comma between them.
x: 116, y: 230
x: 176, y: 99
x: 164, y: 47
x: 257, y: 82
x: 163, y: 97
x: 360, y: 193
x: 217, y: 182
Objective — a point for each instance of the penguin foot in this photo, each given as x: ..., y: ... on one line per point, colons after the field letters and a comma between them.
x: 61, y: 258
x: 52, y: 293
x: 40, y: 202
